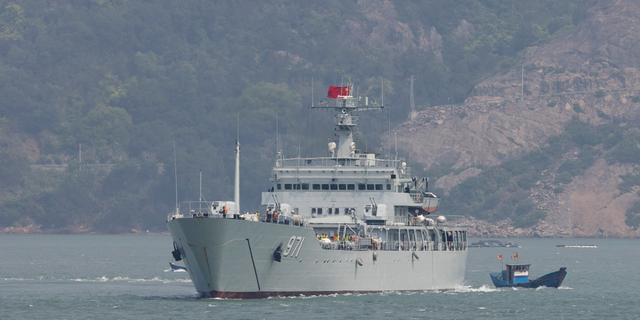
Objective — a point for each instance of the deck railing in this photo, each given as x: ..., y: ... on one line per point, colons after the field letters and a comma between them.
x: 202, y: 209
x: 394, y: 246
x: 341, y: 162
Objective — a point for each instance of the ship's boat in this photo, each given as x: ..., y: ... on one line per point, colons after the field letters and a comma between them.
x: 175, y: 267
x: 517, y: 275
x: 346, y: 222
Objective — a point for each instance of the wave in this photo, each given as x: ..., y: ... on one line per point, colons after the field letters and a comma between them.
x: 130, y: 280
x: 483, y: 288
x: 103, y: 279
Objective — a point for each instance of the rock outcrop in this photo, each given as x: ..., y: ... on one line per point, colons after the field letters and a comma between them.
x: 593, y: 73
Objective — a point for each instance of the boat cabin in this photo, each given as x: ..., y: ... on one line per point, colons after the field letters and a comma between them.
x: 516, y: 273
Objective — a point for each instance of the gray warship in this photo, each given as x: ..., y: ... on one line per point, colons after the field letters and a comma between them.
x: 344, y: 223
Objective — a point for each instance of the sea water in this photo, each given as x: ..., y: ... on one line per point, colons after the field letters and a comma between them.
x: 128, y: 277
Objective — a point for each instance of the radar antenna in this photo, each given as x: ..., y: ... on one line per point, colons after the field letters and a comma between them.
x: 345, y: 121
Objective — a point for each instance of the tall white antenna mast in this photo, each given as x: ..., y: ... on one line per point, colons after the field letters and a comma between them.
x: 200, y: 199
x: 278, y: 150
x: 389, y: 118
x: 311, y: 93
x: 236, y: 186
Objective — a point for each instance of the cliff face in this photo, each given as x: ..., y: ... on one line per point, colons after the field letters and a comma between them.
x: 381, y: 23
x: 593, y: 73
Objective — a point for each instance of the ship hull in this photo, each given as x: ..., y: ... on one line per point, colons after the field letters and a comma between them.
x: 229, y: 258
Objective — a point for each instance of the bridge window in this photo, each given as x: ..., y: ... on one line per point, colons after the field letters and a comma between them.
x: 336, y: 210
x: 279, y: 186
x: 325, y: 186
x: 329, y: 211
x: 334, y: 186
x: 313, y: 210
x: 342, y: 187
x: 378, y: 186
x: 351, y: 187
x: 319, y: 210
x: 370, y: 187
x: 305, y: 186
x: 287, y: 186
x: 316, y: 186
x: 362, y: 186
x: 388, y: 187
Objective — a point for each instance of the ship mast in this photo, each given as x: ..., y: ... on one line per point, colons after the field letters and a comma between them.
x: 236, y: 186
x: 345, y: 121
x: 236, y: 189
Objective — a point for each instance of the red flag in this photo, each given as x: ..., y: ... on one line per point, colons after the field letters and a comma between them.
x: 500, y: 256
x: 515, y: 256
x: 334, y: 92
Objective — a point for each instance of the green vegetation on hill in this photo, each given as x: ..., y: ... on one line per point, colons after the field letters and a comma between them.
x: 127, y: 79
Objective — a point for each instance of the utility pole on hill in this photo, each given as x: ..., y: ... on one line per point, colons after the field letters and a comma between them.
x: 413, y: 104
x: 522, y: 85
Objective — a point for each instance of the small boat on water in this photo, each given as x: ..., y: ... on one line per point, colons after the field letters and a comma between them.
x: 494, y: 243
x: 576, y: 246
x: 517, y: 275
x: 175, y: 267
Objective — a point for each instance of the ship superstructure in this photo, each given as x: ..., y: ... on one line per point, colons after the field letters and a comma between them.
x: 347, y: 181
x: 346, y: 222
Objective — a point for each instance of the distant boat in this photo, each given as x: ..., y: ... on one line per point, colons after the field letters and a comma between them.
x: 517, y: 275
x: 493, y: 244
x: 576, y: 246
x: 175, y: 267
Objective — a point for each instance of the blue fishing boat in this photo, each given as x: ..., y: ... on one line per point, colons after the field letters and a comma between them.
x: 175, y: 267
x: 517, y: 275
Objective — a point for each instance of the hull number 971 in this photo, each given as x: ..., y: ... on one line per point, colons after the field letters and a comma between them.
x: 293, y: 247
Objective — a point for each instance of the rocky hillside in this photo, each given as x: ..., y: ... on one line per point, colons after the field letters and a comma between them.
x: 592, y: 73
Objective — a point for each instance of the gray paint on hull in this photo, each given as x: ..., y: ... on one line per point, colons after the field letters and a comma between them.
x: 227, y: 271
